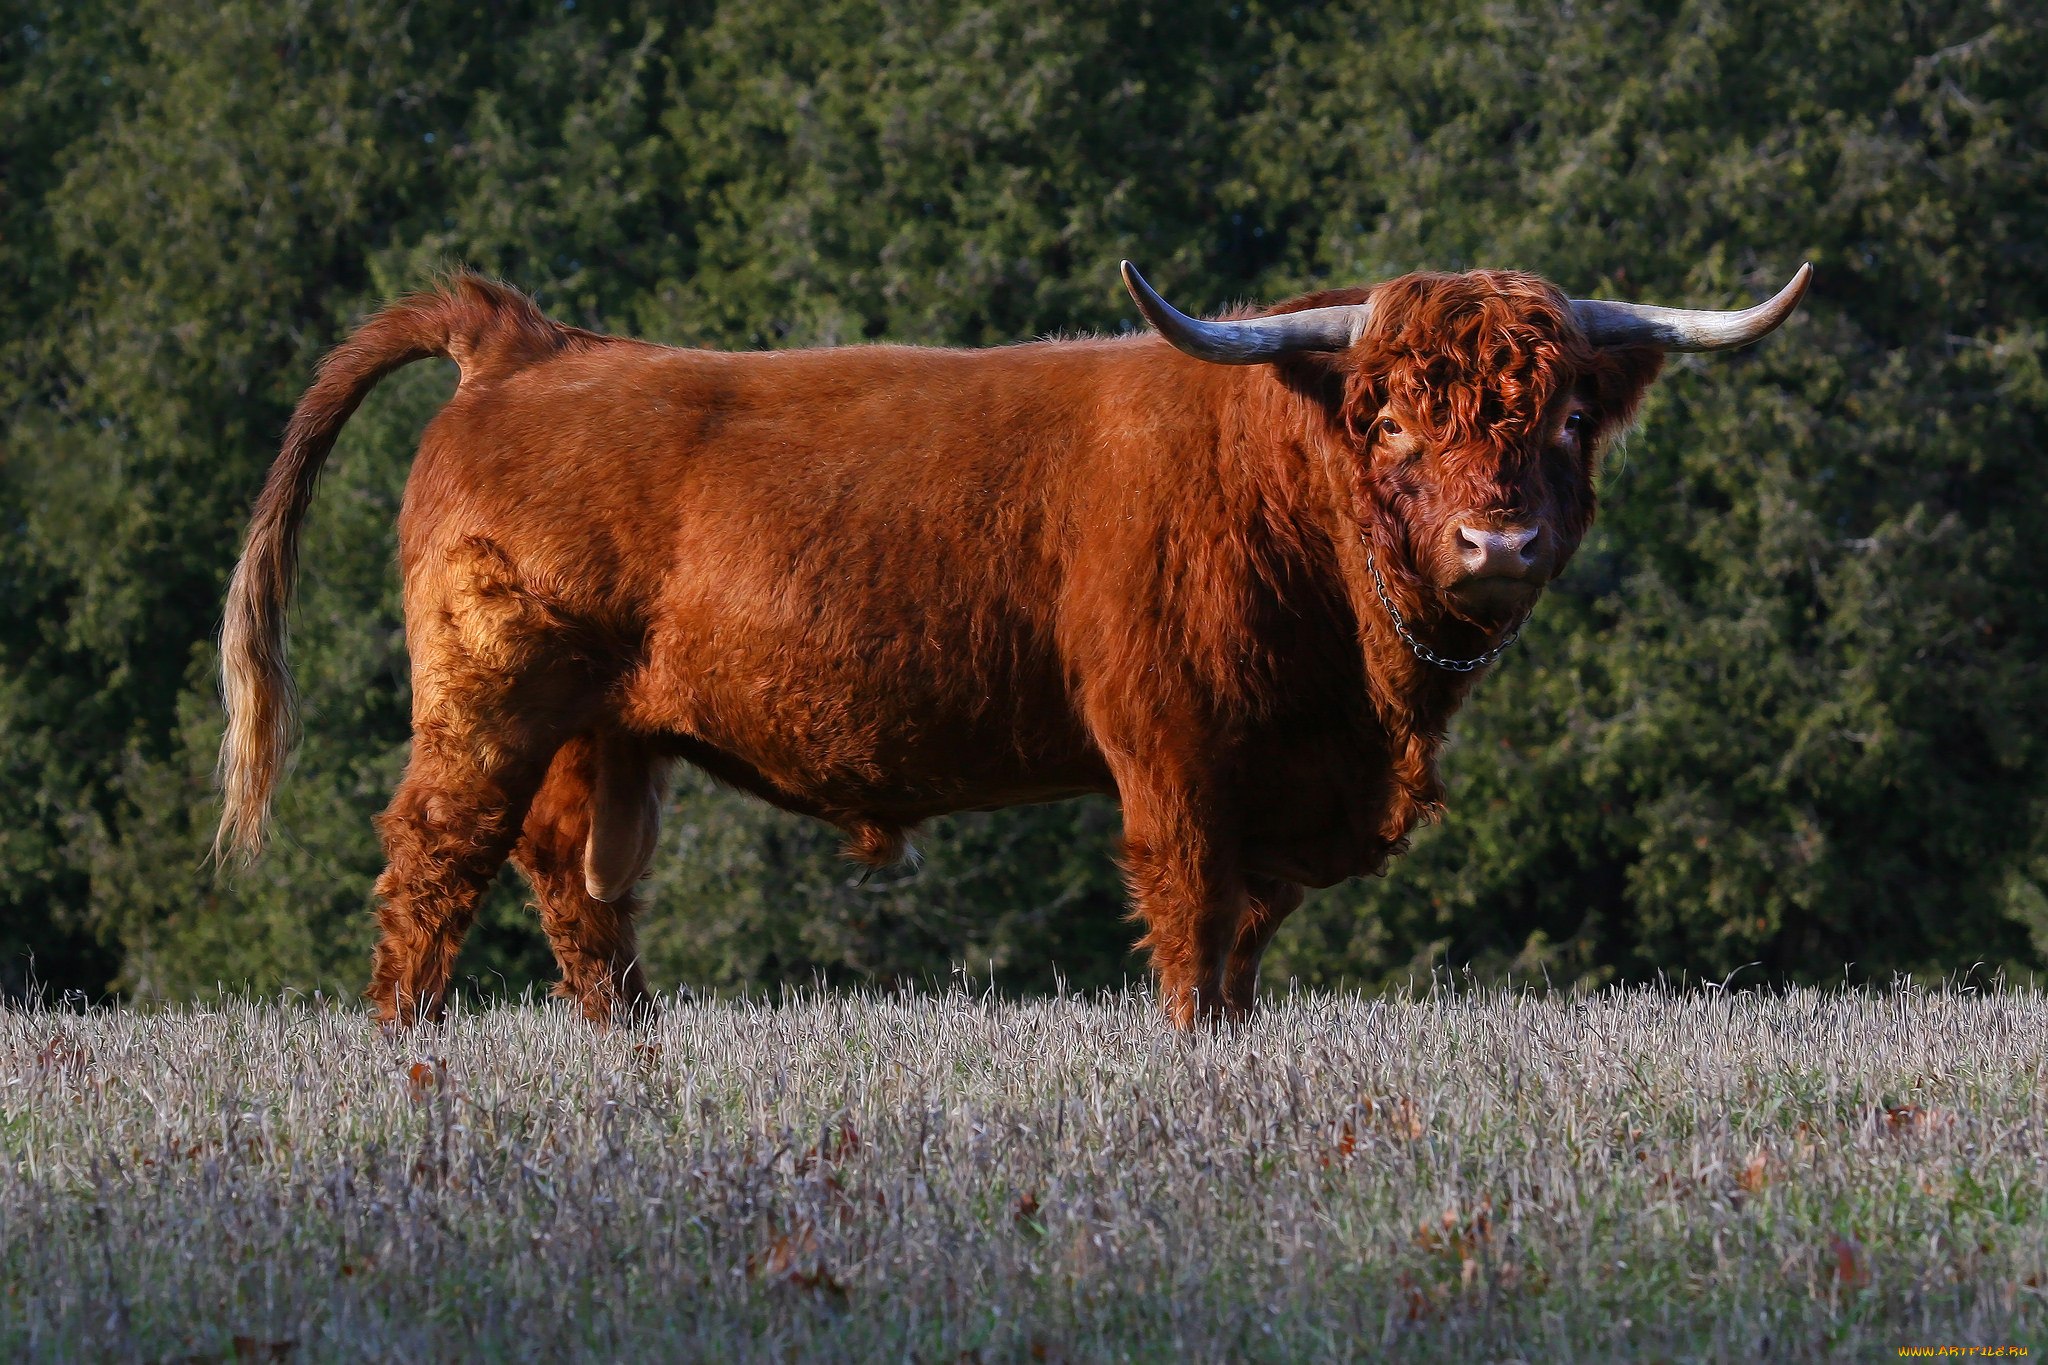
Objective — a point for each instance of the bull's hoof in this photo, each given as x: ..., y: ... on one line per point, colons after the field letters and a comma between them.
x: 397, y: 1015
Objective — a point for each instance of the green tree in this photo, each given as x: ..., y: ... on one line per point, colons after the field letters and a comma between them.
x: 1776, y: 712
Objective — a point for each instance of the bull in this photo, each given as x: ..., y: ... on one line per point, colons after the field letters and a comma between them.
x: 1236, y: 574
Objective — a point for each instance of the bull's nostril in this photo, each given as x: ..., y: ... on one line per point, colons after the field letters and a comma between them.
x: 1493, y: 553
x: 1472, y: 548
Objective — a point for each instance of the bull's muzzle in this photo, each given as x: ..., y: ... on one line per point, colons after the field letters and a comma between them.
x: 1502, y: 568
x: 1510, y: 552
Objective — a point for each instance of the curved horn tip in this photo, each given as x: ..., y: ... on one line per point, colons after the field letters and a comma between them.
x: 1800, y: 279
x: 1776, y: 310
x: 1135, y: 283
x: 1781, y: 305
x: 1794, y: 289
x: 1614, y: 323
x: 1249, y: 341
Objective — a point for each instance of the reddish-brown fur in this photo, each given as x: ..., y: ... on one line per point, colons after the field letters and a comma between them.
x: 876, y: 584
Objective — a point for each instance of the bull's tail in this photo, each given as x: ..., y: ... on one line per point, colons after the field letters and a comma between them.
x: 482, y: 326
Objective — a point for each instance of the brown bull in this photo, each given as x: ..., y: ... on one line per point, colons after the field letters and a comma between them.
x: 1238, y: 577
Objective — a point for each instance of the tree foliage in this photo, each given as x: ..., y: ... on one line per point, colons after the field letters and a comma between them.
x: 1777, y: 712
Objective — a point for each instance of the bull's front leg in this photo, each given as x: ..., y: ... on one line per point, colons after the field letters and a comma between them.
x: 1271, y: 901
x: 1187, y: 888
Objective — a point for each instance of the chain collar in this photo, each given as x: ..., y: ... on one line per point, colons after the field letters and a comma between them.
x: 1423, y: 651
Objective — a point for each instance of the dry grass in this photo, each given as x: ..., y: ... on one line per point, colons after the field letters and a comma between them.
x: 1462, y: 1175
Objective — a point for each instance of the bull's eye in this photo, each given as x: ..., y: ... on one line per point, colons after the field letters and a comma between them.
x: 1575, y: 426
x: 1389, y: 427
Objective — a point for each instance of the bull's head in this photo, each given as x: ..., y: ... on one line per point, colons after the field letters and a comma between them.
x: 1473, y: 408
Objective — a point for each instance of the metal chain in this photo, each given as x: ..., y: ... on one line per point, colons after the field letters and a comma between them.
x: 1423, y: 651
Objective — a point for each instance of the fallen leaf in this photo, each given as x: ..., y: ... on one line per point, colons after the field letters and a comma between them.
x: 422, y: 1079
x: 819, y: 1281
x: 1909, y: 1119
x: 795, y: 1257
x: 835, y: 1148
x: 784, y: 1253
x: 1398, y: 1117
x: 260, y: 1348
x: 62, y: 1056
x: 1850, y: 1271
x: 1347, y: 1143
x: 1465, y: 1231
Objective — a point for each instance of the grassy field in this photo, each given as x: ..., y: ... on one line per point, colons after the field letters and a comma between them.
x: 1641, y: 1175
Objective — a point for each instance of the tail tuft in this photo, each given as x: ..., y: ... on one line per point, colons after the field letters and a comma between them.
x: 256, y: 689
x: 481, y: 325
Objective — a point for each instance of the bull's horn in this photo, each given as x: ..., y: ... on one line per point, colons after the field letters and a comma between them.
x: 1608, y: 323
x: 1255, y: 339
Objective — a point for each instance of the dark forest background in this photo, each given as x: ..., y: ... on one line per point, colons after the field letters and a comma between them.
x: 1785, y: 708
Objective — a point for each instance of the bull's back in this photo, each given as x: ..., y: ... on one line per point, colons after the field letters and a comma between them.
x: 836, y: 572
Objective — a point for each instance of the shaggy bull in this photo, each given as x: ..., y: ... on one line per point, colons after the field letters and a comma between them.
x: 1238, y: 575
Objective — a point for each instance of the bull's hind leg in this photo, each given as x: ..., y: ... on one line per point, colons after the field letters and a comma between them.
x: 495, y: 692
x: 446, y: 834
x: 588, y: 837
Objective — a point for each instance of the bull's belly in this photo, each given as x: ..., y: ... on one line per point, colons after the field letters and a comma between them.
x: 1317, y: 863
x: 856, y: 804
x: 864, y: 735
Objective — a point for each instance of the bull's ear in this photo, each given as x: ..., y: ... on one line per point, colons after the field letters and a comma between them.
x: 1614, y: 388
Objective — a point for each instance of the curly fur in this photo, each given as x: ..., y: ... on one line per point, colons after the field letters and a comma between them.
x: 876, y: 584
